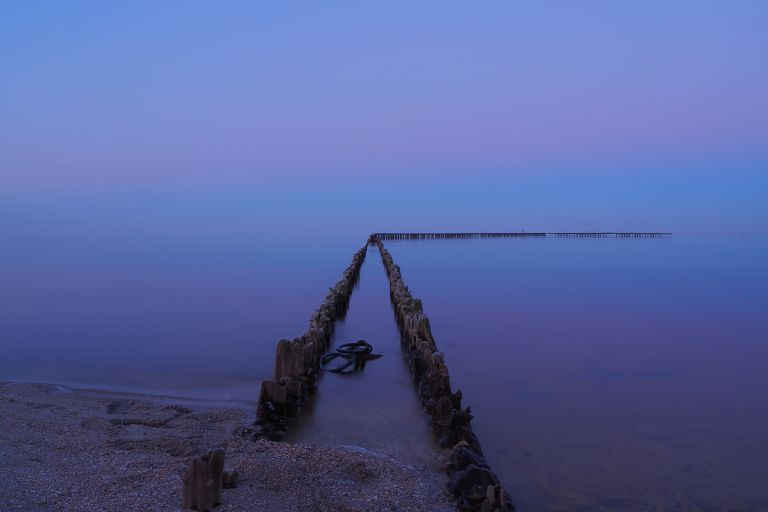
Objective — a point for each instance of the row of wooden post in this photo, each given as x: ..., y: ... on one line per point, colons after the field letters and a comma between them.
x: 437, y: 236
x: 471, y: 480
x: 631, y: 234
x: 297, y: 361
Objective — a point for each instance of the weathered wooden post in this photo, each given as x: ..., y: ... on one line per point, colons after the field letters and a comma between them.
x: 472, y: 482
x: 203, y: 481
x: 298, y: 361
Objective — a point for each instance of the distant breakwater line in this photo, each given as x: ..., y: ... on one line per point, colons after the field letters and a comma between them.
x: 471, y: 480
x: 297, y: 362
x: 440, y: 236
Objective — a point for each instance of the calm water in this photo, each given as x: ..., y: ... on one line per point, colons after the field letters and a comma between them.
x: 608, y: 374
x: 377, y: 408
x: 603, y: 374
x: 190, y: 309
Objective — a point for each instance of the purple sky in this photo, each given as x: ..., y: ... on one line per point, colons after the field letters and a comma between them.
x: 504, y: 95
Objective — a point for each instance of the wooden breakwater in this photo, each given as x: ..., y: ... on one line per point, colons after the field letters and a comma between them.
x: 609, y: 234
x: 297, y: 361
x: 471, y: 480
x: 439, y: 236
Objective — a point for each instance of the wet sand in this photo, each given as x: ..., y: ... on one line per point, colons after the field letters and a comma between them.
x: 72, y: 449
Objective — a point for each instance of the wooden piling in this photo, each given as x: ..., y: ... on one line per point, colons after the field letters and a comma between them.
x: 297, y: 361
x: 473, y: 483
x: 471, y: 480
x: 440, y: 236
x: 606, y: 234
x: 203, y: 482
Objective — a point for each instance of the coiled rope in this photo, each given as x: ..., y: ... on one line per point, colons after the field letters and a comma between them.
x: 356, y: 355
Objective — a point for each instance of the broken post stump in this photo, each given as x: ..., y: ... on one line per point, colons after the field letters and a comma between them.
x: 203, y: 481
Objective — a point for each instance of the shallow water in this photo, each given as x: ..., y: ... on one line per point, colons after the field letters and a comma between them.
x: 608, y: 374
x: 376, y: 408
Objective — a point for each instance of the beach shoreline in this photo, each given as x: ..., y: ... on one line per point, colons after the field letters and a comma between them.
x: 65, y: 448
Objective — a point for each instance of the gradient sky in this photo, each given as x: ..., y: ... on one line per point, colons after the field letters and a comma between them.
x: 497, y: 115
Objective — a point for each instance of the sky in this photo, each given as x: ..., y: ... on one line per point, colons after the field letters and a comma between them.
x: 415, y: 115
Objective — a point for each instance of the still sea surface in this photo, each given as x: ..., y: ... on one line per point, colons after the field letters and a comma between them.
x: 186, y: 310
x: 608, y: 374
x: 604, y: 374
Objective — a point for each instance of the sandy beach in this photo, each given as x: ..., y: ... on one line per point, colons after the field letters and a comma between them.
x: 84, y: 450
